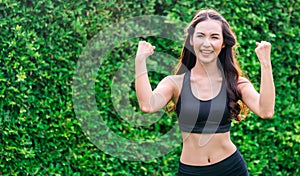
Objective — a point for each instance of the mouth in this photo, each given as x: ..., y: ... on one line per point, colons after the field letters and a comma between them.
x: 206, y: 51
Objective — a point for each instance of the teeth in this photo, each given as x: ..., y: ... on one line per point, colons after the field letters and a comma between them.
x: 206, y: 52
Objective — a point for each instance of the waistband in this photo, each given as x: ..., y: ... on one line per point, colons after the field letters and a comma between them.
x: 232, y: 165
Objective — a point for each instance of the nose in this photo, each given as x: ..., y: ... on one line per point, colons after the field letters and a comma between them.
x: 206, y: 43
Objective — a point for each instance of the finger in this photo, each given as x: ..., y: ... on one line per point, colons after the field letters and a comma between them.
x: 148, y: 45
x: 142, y: 43
x: 263, y: 43
x: 267, y: 43
x: 257, y: 43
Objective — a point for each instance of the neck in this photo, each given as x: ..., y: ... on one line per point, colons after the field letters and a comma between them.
x: 206, y: 69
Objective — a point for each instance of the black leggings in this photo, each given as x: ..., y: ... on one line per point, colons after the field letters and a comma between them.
x: 234, y: 165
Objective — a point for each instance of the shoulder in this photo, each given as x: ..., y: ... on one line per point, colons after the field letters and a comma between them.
x: 175, y: 79
x: 174, y: 82
x: 243, y: 80
x: 243, y: 83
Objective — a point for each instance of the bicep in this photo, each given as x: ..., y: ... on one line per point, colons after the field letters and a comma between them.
x: 162, y: 94
x: 249, y: 95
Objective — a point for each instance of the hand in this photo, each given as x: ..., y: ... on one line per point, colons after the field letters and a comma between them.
x: 145, y: 50
x: 263, y: 52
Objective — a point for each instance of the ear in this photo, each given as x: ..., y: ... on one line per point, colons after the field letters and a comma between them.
x: 223, y: 46
x: 191, y: 40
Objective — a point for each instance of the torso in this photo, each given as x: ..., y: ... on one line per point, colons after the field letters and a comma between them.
x: 203, y: 149
x: 206, y: 149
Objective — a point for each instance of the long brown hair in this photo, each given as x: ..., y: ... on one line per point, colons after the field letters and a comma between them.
x: 226, y: 57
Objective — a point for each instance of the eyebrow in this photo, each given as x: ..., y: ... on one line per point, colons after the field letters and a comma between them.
x: 213, y: 34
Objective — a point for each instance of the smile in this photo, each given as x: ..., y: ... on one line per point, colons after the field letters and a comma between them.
x: 206, y: 51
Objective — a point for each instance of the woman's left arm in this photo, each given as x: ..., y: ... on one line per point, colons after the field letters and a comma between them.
x: 261, y: 103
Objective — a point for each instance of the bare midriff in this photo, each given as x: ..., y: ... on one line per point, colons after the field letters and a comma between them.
x: 206, y: 149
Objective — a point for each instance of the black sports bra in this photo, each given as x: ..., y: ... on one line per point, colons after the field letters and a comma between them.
x: 202, y: 116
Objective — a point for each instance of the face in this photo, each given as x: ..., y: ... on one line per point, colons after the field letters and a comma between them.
x: 207, y: 40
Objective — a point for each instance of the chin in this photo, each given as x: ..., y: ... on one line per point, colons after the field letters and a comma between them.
x: 206, y: 60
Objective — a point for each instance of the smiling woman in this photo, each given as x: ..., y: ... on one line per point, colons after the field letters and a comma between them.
x: 205, y: 90
x: 207, y: 41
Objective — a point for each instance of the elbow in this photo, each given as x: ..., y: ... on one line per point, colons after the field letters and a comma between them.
x: 145, y: 109
x: 267, y: 115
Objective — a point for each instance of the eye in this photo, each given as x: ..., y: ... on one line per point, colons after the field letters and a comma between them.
x: 215, y: 38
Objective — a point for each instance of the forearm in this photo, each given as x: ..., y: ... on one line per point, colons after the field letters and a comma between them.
x: 142, y: 85
x: 267, y: 91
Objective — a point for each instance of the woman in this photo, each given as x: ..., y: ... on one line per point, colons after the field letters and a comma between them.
x: 207, y: 71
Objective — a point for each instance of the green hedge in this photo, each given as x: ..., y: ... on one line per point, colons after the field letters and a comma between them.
x: 42, y: 42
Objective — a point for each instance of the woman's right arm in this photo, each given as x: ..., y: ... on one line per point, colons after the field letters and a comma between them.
x: 150, y: 101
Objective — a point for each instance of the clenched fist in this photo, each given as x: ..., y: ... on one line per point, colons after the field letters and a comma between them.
x: 263, y: 52
x: 144, y: 50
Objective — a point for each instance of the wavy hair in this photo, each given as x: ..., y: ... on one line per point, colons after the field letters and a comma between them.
x: 226, y: 57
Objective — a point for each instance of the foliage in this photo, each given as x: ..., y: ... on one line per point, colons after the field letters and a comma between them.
x: 42, y: 41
